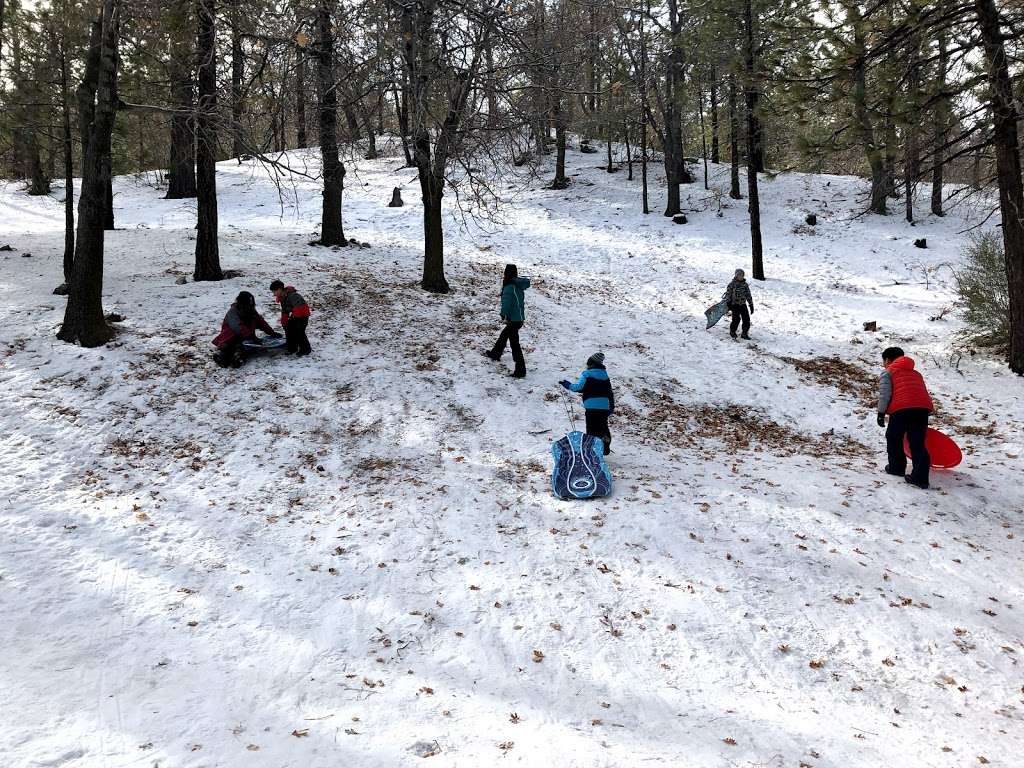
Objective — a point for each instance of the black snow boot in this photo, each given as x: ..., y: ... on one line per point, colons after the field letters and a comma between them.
x: 745, y: 336
x: 915, y: 483
x: 492, y: 355
x: 519, y: 372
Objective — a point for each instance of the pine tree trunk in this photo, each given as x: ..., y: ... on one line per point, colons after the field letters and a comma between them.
x: 750, y: 93
x: 862, y: 118
x: 629, y: 150
x: 61, y: 54
x: 1008, y: 169
x: 84, y: 322
x: 182, y: 181
x: 734, y: 142
x: 300, y: 98
x: 561, y: 180
x: 207, y: 247
x: 715, y: 155
x: 237, y: 73
x: 402, y: 114
x: 331, y: 230
x: 703, y: 135
x: 940, y: 122
x: 643, y: 165
x: 39, y: 182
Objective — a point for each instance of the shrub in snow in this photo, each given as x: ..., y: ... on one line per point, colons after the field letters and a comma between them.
x: 984, y: 301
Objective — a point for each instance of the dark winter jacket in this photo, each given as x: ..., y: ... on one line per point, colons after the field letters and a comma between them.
x: 513, y: 307
x: 235, y: 327
x: 293, y: 305
x: 901, y: 387
x: 596, y: 388
x: 738, y: 292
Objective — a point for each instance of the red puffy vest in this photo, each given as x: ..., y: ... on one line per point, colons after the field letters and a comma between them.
x: 908, y: 389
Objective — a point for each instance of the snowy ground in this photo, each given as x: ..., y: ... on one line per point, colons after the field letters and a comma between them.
x: 355, y: 559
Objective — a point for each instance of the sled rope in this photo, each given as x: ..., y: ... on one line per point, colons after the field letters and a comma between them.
x: 567, y: 403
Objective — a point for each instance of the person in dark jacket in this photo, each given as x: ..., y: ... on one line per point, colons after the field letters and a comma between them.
x: 513, y: 312
x: 294, y: 317
x: 737, y: 296
x: 902, y: 395
x: 240, y: 323
x: 598, y: 398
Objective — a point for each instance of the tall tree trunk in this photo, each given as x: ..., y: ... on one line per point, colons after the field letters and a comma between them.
x: 643, y: 167
x: 862, y: 118
x: 753, y: 201
x: 912, y: 153
x: 182, y: 181
x: 703, y: 135
x: 207, y: 246
x: 355, y: 133
x: 629, y: 149
x: 237, y: 73
x: 715, y: 155
x: 331, y: 230
x: 402, y: 115
x: 561, y: 180
x: 940, y: 125
x: 84, y: 322
x: 1007, y: 148
x: 734, y: 142
x: 60, y: 52
x: 39, y: 182
x: 675, y: 169
x: 300, y: 97
x: 433, y: 235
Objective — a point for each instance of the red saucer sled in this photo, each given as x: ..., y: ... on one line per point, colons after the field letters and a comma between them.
x: 944, y: 453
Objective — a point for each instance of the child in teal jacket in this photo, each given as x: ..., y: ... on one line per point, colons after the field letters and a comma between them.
x: 513, y: 312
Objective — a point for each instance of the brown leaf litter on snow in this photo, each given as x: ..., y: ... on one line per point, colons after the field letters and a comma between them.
x: 740, y: 428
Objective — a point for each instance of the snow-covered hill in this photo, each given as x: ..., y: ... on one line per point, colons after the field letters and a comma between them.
x: 355, y: 559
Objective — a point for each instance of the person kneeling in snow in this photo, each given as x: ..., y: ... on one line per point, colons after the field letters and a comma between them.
x: 903, y: 395
x: 294, y: 317
x: 598, y: 398
x: 737, y: 296
x: 240, y: 324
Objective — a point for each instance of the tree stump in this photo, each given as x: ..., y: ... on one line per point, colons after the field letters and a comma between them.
x: 396, y: 199
x: 811, y: 219
x: 679, y: 218
x: 871, y: 326
x: 921, y: 242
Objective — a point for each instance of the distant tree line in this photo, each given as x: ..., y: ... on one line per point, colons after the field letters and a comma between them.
x: 901, y: 92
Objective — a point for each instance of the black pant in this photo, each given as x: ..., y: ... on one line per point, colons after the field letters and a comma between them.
x: 597, y: 425
x: 739, y: 312
x: 232, y: 352
x: 295, y: 335
x: 912, y: 422
x: 510, y: 335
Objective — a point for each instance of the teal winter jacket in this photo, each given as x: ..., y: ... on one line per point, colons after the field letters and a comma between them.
x: 513, y: 307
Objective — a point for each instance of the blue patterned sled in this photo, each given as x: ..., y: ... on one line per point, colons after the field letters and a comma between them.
x: 580, y: 470
x: 716, y: 312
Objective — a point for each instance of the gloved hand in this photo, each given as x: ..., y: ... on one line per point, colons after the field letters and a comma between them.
x: 565, y: 383
x: 881, y: 419
x: 751, y: 310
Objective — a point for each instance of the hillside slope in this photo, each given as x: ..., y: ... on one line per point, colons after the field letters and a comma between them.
x: 354, y: 558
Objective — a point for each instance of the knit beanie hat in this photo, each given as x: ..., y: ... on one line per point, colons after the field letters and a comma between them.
x: 739, y: 273
x: 595, y: 360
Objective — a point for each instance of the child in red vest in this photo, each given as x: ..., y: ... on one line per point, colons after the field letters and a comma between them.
x: 294, y: 317
x: 903, y: 395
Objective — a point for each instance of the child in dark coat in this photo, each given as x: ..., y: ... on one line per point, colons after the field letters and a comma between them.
x: 240, y: 324
x: 737, y: 296
x: 598, y: 398
x: 294, y: 317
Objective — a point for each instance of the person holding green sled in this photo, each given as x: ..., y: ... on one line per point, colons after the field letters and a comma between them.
x: 513, y: 312
x: 598, y: 398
